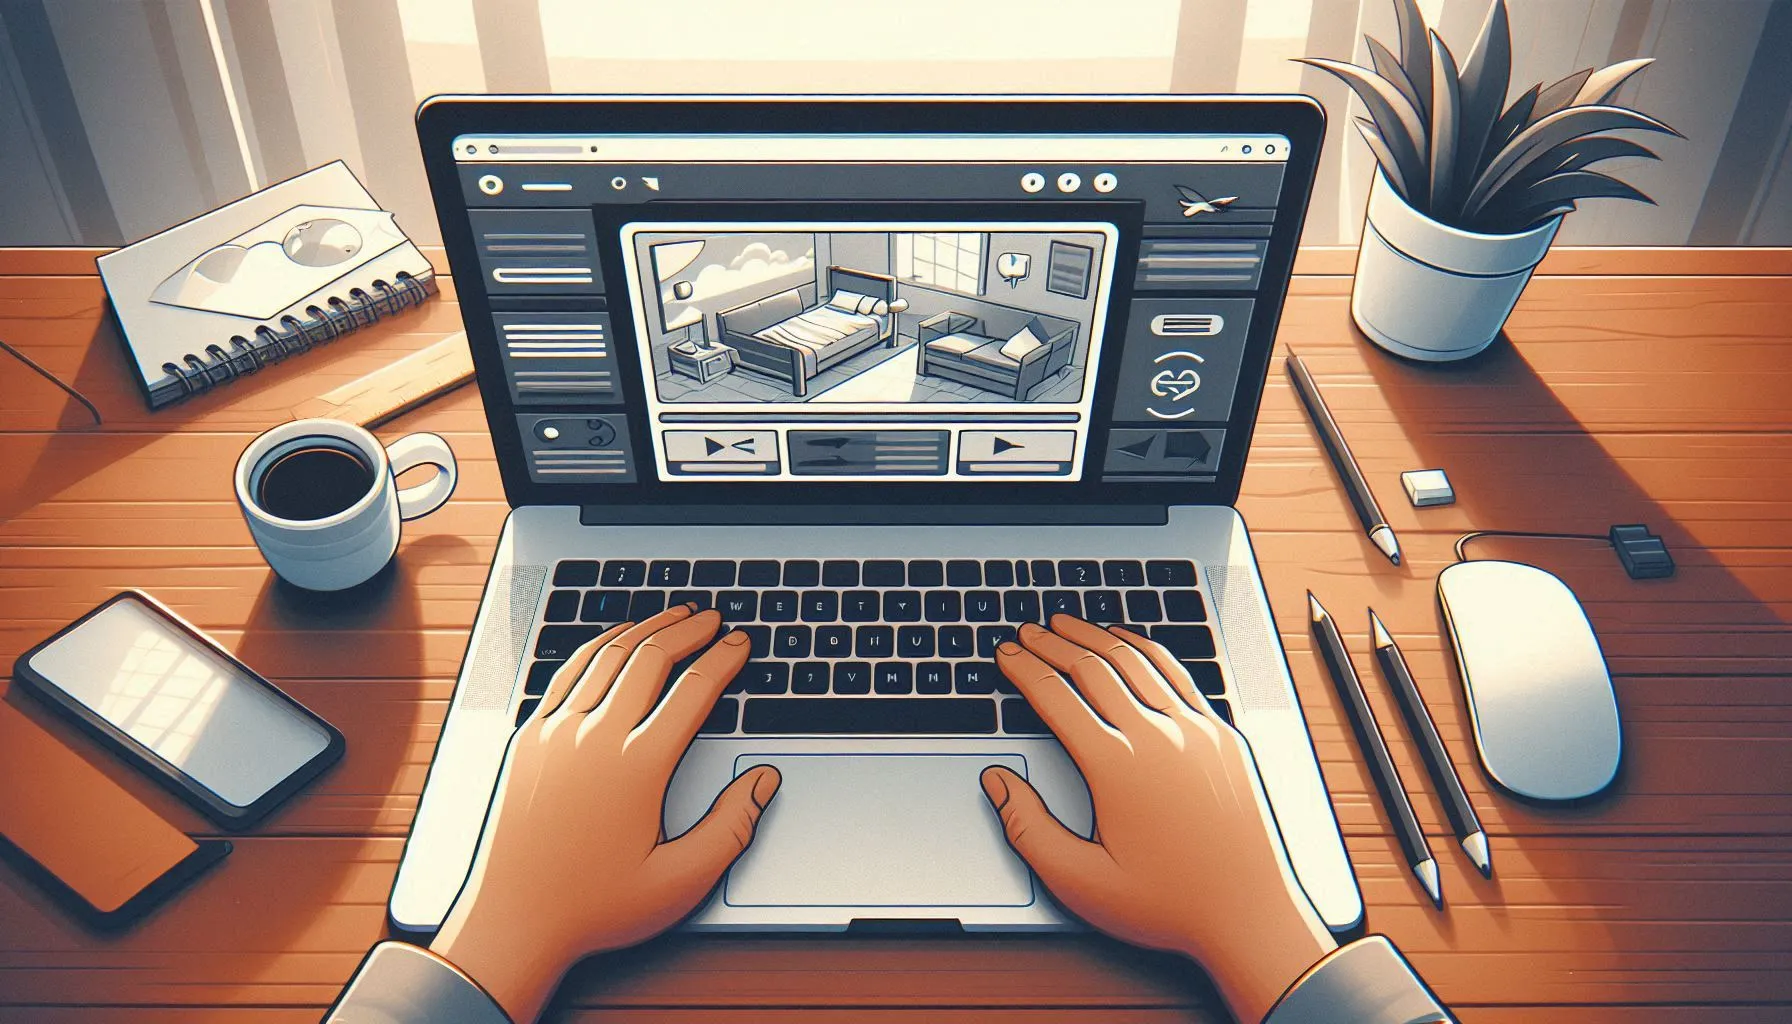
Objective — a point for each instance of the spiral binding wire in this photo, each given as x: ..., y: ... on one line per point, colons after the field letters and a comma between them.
x: 198, y: 371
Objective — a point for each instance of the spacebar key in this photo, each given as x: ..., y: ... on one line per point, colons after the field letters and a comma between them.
x: 870, y: 715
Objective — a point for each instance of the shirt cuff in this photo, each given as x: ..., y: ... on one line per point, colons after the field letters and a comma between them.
x: 1366, y: 982
x: 399, y: 983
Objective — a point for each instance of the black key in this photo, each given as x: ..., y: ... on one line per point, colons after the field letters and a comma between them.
x: 575, y: 573
x: 762, y: 640
x: 558, y: 642
x: 895, y: 715
x: 860, y: 606
x: 988, y: 637
x: 712, y: 573
x: 1023, y: 575
x: 803, y: 572
x: 1079, y: 572
x: 975, y: 677
x: 1122, y: 573
x: 1045, y: 573
x: 1142, y: 606
x: 914, y: 642
x: 563, y: 606
x: 759, y: 572
x: 1170, y: 573
x: 964, y: 572
x: 526, y: 709
x: 1019, y: 718
x: 833, y: 642
x: 840, y: 572
x: 982, y: 606
x: 1021, y: 606
x: 1186, y: 642
x: 998, y: 573
x: 1222, y: 709
x: 893, y: 677
x: 722, y: 717
x: 1207, y: 677
x: 646, y: 603
x: 809, y: 677
x: 820, y: 606
x: 624, y: 573
x: 604, y: 606
x: 1184, y: 606
x: 852, y: 677
x: 1103, y: 606
x: 764, y: 677
x: 791, y: 642
x: 703, y: 599
x: 933, y: 677
x: 875, y: 642
x: 738, y: 605
x: 943, y: 606
x: 1062, y: 602
x: 669, y: 573
x: 882, y: 572
x: 540, y: 675
x: 926, y: 572
x: 778, y: 606
x: 902, y: 606
x: 956, y: 642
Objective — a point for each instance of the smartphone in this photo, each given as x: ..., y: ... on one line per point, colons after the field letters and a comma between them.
x: 167, y: 698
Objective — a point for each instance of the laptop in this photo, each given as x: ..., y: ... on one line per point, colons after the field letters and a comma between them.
x: 878, y: 378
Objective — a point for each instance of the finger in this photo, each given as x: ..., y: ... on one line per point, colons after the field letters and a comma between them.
x: 1084, y: 735
x: 1172, y: 671
x: 674, y: 723
x: 1077, y: 871
x: 568, y: 674
x: 1139, y: 675
x: 1095, y: 679
x: 604, y: 668
x: 691, y: 864
x: 643, y: 678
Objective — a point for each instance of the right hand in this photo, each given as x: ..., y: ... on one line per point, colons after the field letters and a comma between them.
x: 1186, y: 856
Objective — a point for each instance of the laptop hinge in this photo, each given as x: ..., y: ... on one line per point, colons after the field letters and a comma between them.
x: 880, y: 515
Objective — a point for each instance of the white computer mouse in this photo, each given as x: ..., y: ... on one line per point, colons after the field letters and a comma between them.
x: 1540, y: 698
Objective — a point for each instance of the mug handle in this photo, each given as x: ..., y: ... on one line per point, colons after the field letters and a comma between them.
x: 423, y: 449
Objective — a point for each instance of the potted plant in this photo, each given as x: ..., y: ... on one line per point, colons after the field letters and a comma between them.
x: 1470, y: 189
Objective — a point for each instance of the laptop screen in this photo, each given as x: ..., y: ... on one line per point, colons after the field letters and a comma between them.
x: 780, y: 314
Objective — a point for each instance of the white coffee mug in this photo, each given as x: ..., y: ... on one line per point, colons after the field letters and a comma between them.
x: 351, y: 546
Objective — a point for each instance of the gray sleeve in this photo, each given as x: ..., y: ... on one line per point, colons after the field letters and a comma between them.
x: 1366, y: 982
x: 403, y: 984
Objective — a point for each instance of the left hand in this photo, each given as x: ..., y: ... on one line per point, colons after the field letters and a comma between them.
x: 574, y: 859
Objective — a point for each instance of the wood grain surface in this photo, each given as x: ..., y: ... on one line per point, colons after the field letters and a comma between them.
x: 1650, y: 386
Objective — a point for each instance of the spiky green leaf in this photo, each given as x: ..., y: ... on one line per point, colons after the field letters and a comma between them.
x: 1389, y: 166
x: 1396, y: 120
x: 1558, y: 95
x: 1517, y: 208
x: 1415, y: 51
x: 1486, y: 75
x: 1388, y: 66
x: 1545, y: 134
x: 1575, y: 155
x: 1446, y: 127
x: 1602, y: 84
x: 1512, y: 121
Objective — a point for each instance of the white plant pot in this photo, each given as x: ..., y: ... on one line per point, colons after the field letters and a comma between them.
x: 1429, y: 291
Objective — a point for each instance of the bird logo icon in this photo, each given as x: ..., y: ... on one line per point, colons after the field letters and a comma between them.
x: 1194, y: 202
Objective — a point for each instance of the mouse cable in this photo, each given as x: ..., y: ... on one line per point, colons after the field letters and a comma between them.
x: 52, y: 378
x: 1464, y: 540
x: 1642, y: 553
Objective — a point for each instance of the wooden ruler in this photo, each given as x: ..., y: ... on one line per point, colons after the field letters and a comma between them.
x: 400, y: 387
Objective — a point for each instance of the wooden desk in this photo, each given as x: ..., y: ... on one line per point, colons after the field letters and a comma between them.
x: 1648, y: 386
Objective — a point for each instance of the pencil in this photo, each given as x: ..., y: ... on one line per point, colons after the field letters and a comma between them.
x: 1375, y: 750
x: 1437, y: 757
x: 1374, y: 523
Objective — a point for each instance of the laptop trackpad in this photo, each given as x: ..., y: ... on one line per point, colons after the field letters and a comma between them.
x: 879, y: 830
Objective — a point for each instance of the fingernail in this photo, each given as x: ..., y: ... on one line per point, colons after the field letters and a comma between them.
x: 736, y: 638
x: 995, y: 788
x: 766, y: 785
x: 1007, y: 647
x: 1025, y: 626
x: 692, y: 605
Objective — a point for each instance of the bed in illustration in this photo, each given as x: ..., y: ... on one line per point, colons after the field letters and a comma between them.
x: 778, y: 337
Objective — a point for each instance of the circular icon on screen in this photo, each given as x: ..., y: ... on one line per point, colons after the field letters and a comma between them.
x: 491, y: 184
x: 1105, y: 182
x: 1069, y: 181
x: 619, y: 183
x: 1032, y: 181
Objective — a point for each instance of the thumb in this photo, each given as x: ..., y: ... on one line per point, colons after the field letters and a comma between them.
x: 693, y: 862
x: 1068, y: 864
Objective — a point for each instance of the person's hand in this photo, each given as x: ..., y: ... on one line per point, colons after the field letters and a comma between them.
x: 573, y: 860
x: 1186, y: 856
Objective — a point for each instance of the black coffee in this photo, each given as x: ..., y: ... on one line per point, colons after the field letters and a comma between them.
x: 314, y: 483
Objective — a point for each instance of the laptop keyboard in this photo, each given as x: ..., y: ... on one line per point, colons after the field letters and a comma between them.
x: 878, y: 646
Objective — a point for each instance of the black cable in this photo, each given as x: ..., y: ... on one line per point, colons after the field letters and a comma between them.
x: 1463, y: 540
x: 52, y: 378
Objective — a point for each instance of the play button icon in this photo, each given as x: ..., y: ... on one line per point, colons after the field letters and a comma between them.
x: 712, y: 446
x: 1002, y: 444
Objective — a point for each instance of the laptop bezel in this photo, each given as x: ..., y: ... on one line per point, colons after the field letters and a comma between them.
x: 441, y: 119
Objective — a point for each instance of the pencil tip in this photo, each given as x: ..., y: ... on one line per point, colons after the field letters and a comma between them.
x: 1382, y: 639
x: 1383, y: 538
x: 1427, y: 872
x: 1475, y: 843
x: 1315, y: 610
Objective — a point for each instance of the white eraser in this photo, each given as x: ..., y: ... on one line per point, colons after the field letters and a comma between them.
x: 1427, y: 487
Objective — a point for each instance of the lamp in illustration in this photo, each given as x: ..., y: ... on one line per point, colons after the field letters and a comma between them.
x: 1014, y: 267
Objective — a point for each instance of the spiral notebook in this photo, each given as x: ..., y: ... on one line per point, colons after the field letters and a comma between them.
x: 269, y: 276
